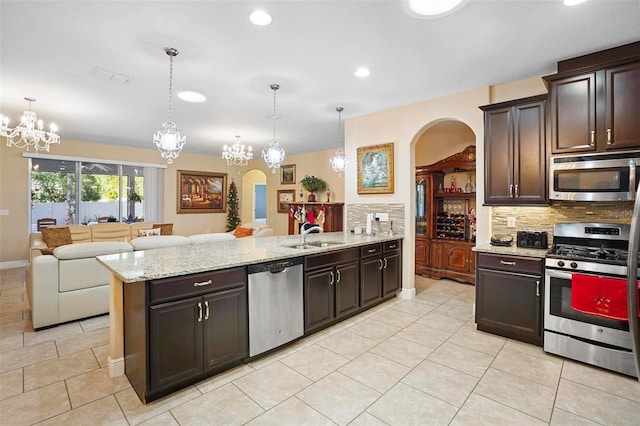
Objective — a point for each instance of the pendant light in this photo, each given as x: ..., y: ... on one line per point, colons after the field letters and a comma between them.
x: 30, y: 132
x: 169, y: 140
x: 339, y: 160
x: 274, y: 154
x: 237, y: 154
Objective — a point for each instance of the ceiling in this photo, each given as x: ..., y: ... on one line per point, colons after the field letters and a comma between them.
x: 49, y: 50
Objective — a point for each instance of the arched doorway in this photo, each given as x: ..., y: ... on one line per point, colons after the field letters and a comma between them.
x: 253, y: 200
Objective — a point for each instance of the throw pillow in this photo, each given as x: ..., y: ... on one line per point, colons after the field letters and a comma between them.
x: 148, y: 232
x: 165, y: 228
x: 55, y: 237
x: 242, y: 232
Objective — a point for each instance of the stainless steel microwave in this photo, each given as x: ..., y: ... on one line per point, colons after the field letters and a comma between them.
x: 594, y: 177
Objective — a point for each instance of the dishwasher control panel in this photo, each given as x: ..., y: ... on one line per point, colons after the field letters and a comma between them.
x: 277, y: 266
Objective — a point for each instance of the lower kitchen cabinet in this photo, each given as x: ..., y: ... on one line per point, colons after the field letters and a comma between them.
x: 509, y: 296
x: 183, y: 329
x: 391, y: 268
x: 381, y: 272
x: 331, y: 287
x: 453, y: 259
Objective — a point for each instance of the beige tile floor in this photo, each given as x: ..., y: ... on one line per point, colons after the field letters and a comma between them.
x: 402, y: 363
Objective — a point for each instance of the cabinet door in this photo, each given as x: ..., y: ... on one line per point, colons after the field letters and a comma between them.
x: 225, y: 327
x: 371, y: 280
x: 573, y: 114
x: 456, y: 257
x: 318, y: 298
x: 623, y: 107
x: 530, y: 160
x: 347, y: 288
x: 423, y: 256
x: 498, y: 182
x: 391, y: 273
x: 175, y: 346
x: 509, y: 304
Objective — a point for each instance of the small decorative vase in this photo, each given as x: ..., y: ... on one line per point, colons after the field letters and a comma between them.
x: 311, y: 198
x: 468, y: 187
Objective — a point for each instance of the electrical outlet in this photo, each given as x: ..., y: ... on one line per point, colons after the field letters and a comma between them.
x: 511, y: 222
x: 4, y: 212
x: 384, y: 217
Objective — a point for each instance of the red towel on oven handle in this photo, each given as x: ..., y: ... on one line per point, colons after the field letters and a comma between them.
x: 600, y: 296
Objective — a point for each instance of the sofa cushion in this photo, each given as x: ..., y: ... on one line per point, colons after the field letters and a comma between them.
x: 165, y: 228
x: 145, y: 243
x: 216, y: 236
x: 241, y: 232
x: 76, y: 274
x: 148, y: 232
x: 110, y: 232
x: 85, y: 250
x: 55, y: 237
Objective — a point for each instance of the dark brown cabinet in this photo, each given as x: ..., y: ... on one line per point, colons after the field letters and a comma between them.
x: 333, y: 216
x: 391, y: 268
x: 515, y: 152
x: 180, y: 330
x: 595, y: 111
x: 331, y: 287
x: 370, y: 272
x: 509, y: 296
x: 454, y: 260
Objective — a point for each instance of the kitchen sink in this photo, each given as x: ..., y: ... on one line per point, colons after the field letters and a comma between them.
x: 315, y: 244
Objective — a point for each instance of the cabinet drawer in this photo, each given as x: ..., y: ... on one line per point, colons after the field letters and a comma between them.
x: 391, y: 246
x: 195, y: 284
x: 527, y: 265
x: 330, y: 258
x: 370, y: 250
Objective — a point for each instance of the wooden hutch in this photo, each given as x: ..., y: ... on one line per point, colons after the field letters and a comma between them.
x: 333, y: 216
x: 445, y: 229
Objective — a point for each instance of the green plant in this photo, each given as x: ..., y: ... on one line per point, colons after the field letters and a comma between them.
x: 313, y: 184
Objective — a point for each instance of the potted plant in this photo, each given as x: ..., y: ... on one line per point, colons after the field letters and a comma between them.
x: 313, y: 184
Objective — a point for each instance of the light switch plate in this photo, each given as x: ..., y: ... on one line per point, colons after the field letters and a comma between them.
x: 511, y: 222
x: 4, y: 212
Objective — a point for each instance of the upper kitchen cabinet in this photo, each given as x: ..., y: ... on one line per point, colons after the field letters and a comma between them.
x: 594, y: 102
x: 515, y: 152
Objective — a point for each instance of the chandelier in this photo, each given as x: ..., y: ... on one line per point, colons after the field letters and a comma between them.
x: 169, y: 140
x: 236, y: 155
x: 339, y: 160
x: 29, y: 132
x: 274, y: 154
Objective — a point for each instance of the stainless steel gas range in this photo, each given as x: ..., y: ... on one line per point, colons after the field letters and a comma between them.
x: 585, y: 293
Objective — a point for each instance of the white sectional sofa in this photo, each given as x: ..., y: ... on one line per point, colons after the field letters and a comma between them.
x: 70, y: 284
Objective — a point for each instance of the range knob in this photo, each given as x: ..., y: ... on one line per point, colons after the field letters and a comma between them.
x: 574, y: 265
x: 560, y: 263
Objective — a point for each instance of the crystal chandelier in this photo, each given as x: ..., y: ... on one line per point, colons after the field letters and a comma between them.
x: 236, y: 155
x: 169, y: 140
x: 339, y: 160
x: 274, y: 154
x: 29, y: 132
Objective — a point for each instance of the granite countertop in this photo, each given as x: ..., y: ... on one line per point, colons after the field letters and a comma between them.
x: 511, y: 250
x: 188, y: 259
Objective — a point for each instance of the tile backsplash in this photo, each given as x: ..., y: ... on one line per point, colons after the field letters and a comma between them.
x: 543, y: 218
x: 357, y: 216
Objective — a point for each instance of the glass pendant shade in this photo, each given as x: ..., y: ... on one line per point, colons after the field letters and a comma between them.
x: 236, y: 154
x: 274, y: 154
x: 168, y: 140
x: 339, y: 161
x: 29, y: 133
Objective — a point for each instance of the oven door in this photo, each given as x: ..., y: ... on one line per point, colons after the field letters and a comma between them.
x: 561, y: 318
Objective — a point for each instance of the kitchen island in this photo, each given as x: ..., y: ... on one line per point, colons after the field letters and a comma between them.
x: 133, y: 273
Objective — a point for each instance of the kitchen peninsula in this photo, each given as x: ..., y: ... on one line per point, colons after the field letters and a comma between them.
x: 343, y: 274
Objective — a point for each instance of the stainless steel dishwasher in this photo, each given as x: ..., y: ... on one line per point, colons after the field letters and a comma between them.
x: 275, y: 304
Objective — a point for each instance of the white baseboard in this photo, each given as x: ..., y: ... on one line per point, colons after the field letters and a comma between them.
x: 116, y: 367
x: 14, y: 264
x: 407, y: 293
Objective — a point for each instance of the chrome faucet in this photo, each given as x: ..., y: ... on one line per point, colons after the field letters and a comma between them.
x: 305, y: 231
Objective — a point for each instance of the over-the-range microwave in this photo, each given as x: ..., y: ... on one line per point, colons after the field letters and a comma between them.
x: 594, y: 177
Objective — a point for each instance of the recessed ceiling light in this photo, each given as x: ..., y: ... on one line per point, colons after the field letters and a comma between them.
x: 573, y: 2
x: 260, y: 17
x: 362, y: 72
x: 433, y: 7
x: 192, y: 97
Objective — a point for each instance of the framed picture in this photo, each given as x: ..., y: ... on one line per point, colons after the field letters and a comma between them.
x: 201, y: 192
x: 285, y: 196
x: 288, y: 174
x: 375, y: 169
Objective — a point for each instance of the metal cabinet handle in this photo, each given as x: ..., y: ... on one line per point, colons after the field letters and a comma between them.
x: 517, y: 191
x: 538, y: 288
x: 511, y: 191
x: 380, y: 260
x: 338, y: 276
x: 385, y: 263
x: 371, y: 250
x: 392, y: 246
x: 332, y: 277
x: 504, y: 262
x: 592, y: 140
x: 609, y: 141
x: 206, y: 309
x: 203, y: 283
x: 199, y: 312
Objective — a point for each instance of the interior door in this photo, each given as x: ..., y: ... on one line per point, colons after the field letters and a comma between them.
x: 260, y: 203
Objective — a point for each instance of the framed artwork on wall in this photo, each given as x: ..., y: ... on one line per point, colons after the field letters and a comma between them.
x: 285, y: 196
x: 201, y: 192
x: 375, y: 169
x: 288, y: 174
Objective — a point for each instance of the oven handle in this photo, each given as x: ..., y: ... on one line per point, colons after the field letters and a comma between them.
x: 552, y: 273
